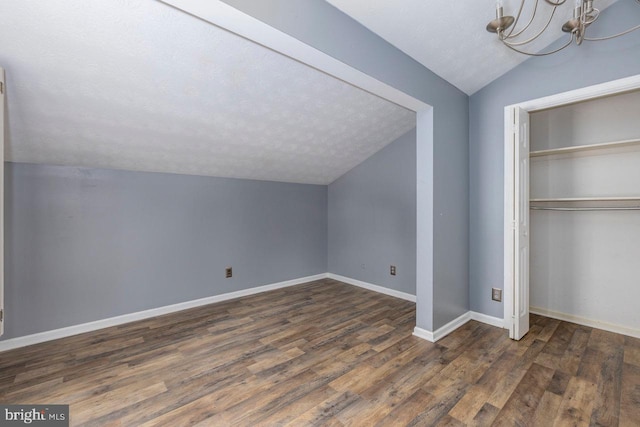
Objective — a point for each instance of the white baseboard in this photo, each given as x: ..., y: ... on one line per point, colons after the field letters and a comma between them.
x: 141, y: 315
x: 498, y: 322
x: 424, y: 334
x: 372, y: 287
x: 442, y: 331
x: 489, y: 320
x: 455, y: 324
x: 618, y: 329
x: 146, y: 314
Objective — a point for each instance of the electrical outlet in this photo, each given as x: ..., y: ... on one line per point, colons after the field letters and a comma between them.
x: 496, y: 294
x: 228, y: 272
x: 392, y: 270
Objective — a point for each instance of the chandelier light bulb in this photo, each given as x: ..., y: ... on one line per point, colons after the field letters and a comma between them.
x: 501, y: 22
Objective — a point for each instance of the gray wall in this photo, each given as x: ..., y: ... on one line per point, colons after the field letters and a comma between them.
x: 88, y: 244
x: 223, y: 217
x: 442, y: 291
x: 574, y: 68
x: 372, y: 218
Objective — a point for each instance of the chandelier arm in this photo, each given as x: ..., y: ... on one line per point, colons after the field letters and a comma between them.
x: 559, y: 2
x: 590, y: 19
x: 534, y: 37
x: 595, y: 39
x: 515, y: 23
x: 533, y: 15
x: 540, y: 54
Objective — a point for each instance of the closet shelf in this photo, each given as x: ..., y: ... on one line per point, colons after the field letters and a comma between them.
x: 625, y: 203
x: 586, y: 199
x: 590, y: 147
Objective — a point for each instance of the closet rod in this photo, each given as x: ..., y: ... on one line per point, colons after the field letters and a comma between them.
x: 610, y: 208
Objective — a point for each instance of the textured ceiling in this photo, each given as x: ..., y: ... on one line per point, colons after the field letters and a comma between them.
x: 137, y: 85
x: 449, y: 37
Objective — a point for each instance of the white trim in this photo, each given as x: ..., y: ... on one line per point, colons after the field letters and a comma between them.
x: 231, y: 19
x: 41, y: 337
x: 489, y: 320
x: 455, y: 324
x: 578, y: 95
x: 372, y: 287
x: 3, y: 126
x: 451, y: 326
x: 445, y: 330
x: 424, y: 334
x: 508, y: 282
x: 146, y: 314
x: 583, y: 94
x: 618, y: 329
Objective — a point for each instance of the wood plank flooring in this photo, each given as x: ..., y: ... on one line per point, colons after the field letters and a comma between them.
x: 327, y: 353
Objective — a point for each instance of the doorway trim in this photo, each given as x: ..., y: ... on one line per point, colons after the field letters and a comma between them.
x: 614, y: 87
x: 227, y: 17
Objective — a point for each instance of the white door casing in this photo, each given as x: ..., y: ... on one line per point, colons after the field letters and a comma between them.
x: 3, y: 90
x: 513, y: 113
x: 516, y: 214
x: 521, y: 235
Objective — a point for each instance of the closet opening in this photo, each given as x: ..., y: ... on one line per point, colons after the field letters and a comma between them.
x: 572, y: 208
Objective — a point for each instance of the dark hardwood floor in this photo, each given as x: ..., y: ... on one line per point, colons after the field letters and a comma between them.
x: 326, y: 353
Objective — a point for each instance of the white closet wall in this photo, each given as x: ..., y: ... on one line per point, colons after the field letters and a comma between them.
x: 586, y: 264
x: 608, y: 119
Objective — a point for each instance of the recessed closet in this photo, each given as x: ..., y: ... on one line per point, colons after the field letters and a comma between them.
x: 585, y: 212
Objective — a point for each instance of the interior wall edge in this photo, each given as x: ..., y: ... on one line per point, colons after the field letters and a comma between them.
x: 40, y: 337
x: 372, y: 287
x: 438, y: 334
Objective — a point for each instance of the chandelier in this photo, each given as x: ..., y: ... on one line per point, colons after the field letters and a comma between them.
x: 584, y: 14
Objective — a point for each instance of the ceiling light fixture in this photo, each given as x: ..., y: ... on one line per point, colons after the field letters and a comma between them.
x: 584, y: 14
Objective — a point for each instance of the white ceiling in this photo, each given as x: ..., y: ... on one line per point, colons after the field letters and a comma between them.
x: 137, y: 85
x: 449, y: 37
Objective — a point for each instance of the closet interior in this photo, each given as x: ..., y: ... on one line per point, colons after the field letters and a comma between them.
x: 585, y: 212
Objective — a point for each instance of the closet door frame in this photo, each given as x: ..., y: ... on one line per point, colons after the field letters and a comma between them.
x: 3, y: 131
x: 513, y: 287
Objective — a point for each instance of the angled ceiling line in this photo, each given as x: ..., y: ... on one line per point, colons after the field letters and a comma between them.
x: 231, y: 19
x: 468, y: 57
x: 143, y: 86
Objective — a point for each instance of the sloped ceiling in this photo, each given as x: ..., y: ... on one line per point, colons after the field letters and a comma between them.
x: 137, y: 85
x: 449, y: 37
